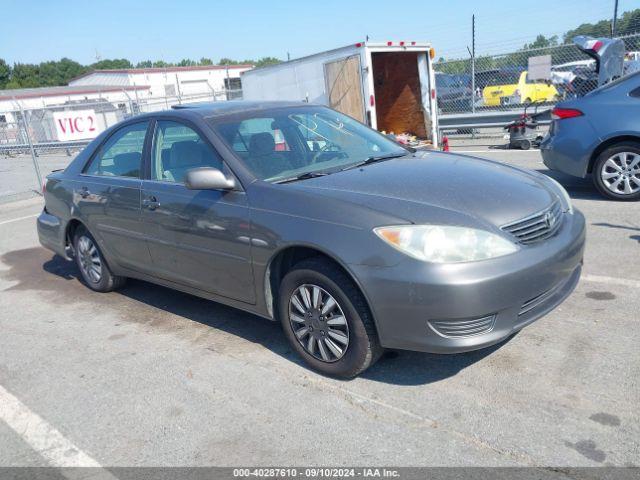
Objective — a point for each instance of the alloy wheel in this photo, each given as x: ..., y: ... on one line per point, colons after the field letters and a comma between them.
x: 621, y: 173
x: 318, y: 322
x: 89, y: 259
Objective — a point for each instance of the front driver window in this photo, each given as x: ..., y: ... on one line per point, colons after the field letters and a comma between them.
x: 286, y: 142
x: 121, y: 154
x: 177, y: 149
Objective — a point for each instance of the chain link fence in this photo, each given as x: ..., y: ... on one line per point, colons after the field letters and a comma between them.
x: 36, y: 141
x: 501, y: 82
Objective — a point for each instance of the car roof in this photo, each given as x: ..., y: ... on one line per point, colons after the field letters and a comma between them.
x: 215, y: 109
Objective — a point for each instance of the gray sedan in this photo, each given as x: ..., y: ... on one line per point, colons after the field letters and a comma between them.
x: 300, y: 214
x: 599, y: 134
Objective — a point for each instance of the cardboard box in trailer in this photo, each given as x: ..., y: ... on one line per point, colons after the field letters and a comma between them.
x: 389, y: 86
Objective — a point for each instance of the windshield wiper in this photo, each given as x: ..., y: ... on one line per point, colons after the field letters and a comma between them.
x: 302, y: 176
x: 379, y: 158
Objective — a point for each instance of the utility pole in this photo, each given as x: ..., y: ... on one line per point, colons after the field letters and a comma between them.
x: 615, y: 18
x: 473, y: 63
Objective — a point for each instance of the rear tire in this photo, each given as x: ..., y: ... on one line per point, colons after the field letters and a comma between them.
x: 616, y: 171
x: 94, y: 270
x: 315, y: 330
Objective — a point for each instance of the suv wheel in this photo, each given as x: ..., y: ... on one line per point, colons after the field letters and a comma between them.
x: 616, y: 172
x: 326, y: 319
x: 93, y: 267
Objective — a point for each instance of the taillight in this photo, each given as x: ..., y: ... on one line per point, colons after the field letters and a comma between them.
x: 44, y: 187
x: 595, y: 45
x: 562, y: 113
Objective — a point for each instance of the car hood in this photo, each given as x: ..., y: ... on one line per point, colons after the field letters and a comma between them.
x: 428, y: 186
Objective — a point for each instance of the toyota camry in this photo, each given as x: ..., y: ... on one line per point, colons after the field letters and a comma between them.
x: 302, y: 215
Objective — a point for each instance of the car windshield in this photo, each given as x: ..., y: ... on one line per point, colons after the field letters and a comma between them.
x: 286, y: 143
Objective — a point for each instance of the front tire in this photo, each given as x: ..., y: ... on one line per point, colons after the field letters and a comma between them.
x: 94, y: 270
x: 326, y: 319
x: 616, y: 172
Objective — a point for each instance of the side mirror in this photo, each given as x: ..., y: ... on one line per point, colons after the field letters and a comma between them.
x: 208, y: 178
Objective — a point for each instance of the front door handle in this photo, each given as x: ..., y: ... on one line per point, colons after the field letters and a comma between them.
x: 83, y: 192
x: 151, y: 203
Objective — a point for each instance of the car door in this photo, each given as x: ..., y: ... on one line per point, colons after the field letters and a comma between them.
x: 198, y: 238
x: 108, y: 196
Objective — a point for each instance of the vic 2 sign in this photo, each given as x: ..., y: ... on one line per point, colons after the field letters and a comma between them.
x: 77, y: 124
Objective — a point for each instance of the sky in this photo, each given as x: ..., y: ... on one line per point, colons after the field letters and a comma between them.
x: 37, y: 30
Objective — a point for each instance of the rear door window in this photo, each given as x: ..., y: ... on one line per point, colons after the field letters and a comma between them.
x: 121, y: 154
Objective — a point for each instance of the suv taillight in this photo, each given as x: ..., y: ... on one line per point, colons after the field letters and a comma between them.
x: 562, y: 113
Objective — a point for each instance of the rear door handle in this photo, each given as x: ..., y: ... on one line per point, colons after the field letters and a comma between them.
x: 151, y: 203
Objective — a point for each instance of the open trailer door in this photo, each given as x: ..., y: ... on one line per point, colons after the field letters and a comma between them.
x: 344, y: 86
x: 403, y: 99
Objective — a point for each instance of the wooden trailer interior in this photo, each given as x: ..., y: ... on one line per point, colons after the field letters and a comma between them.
x: 397, y: 94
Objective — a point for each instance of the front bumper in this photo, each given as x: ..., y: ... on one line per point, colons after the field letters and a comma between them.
x: 418, y: 305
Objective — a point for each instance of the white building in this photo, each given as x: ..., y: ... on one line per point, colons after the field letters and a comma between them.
x: 109, y: 104
x: 34, y: 98
x: 97, y: 100
x: 170, y: 81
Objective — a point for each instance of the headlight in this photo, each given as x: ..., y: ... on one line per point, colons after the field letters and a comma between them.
x: 445, y: 244
x: 565, y: 199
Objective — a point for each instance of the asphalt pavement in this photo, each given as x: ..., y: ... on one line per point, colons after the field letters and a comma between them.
x: 147, y: 376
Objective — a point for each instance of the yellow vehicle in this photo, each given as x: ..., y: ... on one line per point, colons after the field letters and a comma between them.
x: 525, y: 91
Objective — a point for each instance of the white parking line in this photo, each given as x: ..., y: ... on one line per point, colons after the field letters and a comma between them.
x: 4, y: 222
x: 42, y: 437
x: 625, y: 282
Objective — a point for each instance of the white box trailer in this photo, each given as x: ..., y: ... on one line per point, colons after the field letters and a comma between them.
x: 389, y: 86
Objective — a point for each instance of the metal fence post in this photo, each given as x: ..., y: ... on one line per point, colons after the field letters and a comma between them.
x: 130, y: 102
x: 473, y: 63
x: 36, y: 167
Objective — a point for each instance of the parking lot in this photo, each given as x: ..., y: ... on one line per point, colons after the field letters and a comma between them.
x: 150, y: 376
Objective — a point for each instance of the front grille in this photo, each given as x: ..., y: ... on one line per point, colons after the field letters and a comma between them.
x: 537, y: 227
x: 463, y: 328
x: 539, y: 299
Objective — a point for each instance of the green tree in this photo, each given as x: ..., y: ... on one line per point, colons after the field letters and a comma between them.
x: 542, y: 42
x: 111, y: 64
x: 25, y: 75
x: 264, y: 61
x: 205, y: 61
x: 227, y: 61
x: 629, y: 23
x: 599, y: 29
x: 186, y: 62
x: 144, y: 64
x: 5, y: 73
x: 70, y: 69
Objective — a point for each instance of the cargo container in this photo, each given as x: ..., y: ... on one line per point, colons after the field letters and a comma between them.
x: 390, y: 86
